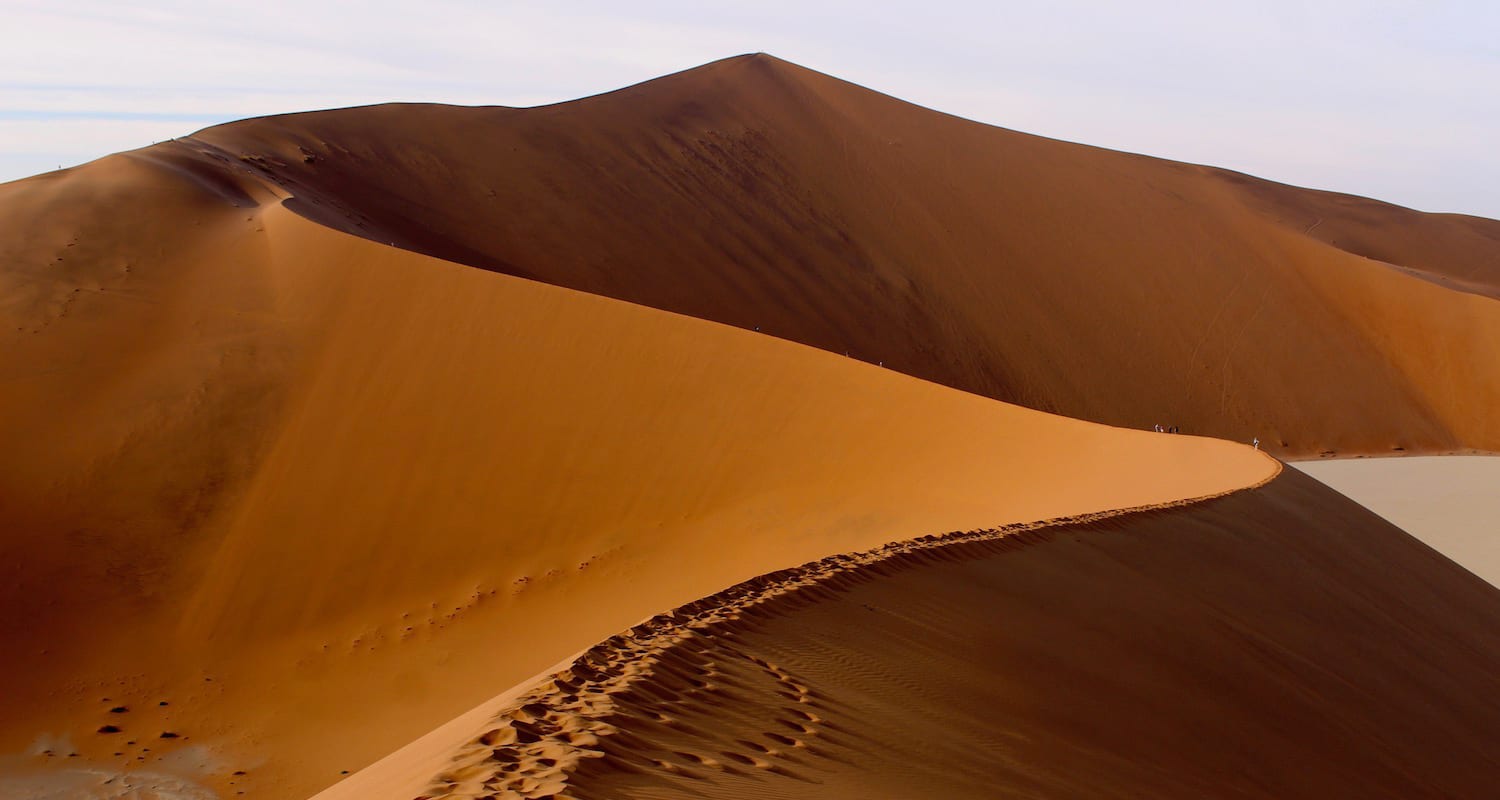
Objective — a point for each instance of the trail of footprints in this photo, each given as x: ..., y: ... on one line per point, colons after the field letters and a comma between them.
x: 581, y: 713
x: 676, y: 665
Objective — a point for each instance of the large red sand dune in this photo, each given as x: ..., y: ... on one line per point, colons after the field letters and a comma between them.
x: 1092, y: 283
x: 276, y: 499
x: 297, y: 497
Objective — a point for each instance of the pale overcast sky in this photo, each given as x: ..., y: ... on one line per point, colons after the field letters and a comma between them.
x: 1392, y: 99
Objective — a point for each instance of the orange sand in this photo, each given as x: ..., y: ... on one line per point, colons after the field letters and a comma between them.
x: 319, y: 494
x: 289, y: 498
x: 1281, y: 643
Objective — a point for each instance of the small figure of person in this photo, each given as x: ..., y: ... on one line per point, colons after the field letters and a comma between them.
x: 1256, y: 442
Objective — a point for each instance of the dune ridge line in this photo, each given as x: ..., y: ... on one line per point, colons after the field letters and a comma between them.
x: 533, y: 745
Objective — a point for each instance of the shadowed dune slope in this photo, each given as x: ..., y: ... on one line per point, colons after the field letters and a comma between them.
x: 1096, y: 284
x: 1276, y: 643
x: 288, y: 498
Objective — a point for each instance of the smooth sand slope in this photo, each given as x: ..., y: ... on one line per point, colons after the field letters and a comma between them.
x: 1452, y: 504
x: 1276, y: 643
x: 1096, y: 284
x: 276, y: 499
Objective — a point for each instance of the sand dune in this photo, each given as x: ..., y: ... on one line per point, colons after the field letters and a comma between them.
x: 290, y: 498
x: 1096, y: 284
x: 1261, y: 645
x: 289, y: 483
x: 536, y: 737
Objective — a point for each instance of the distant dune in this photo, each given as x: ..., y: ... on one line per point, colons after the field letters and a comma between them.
x: 287, y: 482
x: 1096, y: 284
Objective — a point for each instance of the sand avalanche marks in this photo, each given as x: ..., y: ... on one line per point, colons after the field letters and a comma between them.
x: 675, y: 662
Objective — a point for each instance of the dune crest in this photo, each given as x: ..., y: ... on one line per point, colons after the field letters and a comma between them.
x: 535, y: 737
x: 1189, y: 651
x: 276, y: 484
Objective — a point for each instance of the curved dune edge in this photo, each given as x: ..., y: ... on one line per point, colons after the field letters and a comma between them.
x: 527, y: 741
x: 297, y: 497
x: 1278, y: 643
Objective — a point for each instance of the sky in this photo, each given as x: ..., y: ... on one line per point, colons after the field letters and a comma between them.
x: 1389, y: 99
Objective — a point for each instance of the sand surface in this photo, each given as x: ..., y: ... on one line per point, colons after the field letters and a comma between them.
x: 290, y: 498
x: 1451, y: 503
x: 1100, y: 285
x: 535, y: 738
x: 329, y: 434
x: 1221, y: 649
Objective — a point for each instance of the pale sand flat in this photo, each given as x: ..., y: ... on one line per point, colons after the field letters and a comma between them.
x: 1450, y: 502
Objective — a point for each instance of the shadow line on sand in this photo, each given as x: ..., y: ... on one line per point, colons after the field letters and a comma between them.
x: 532, y: 747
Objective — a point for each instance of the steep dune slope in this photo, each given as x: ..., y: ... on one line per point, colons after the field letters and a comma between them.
x: 1277, y: 643
x: 287, y: 498
x: 1095, y: 284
